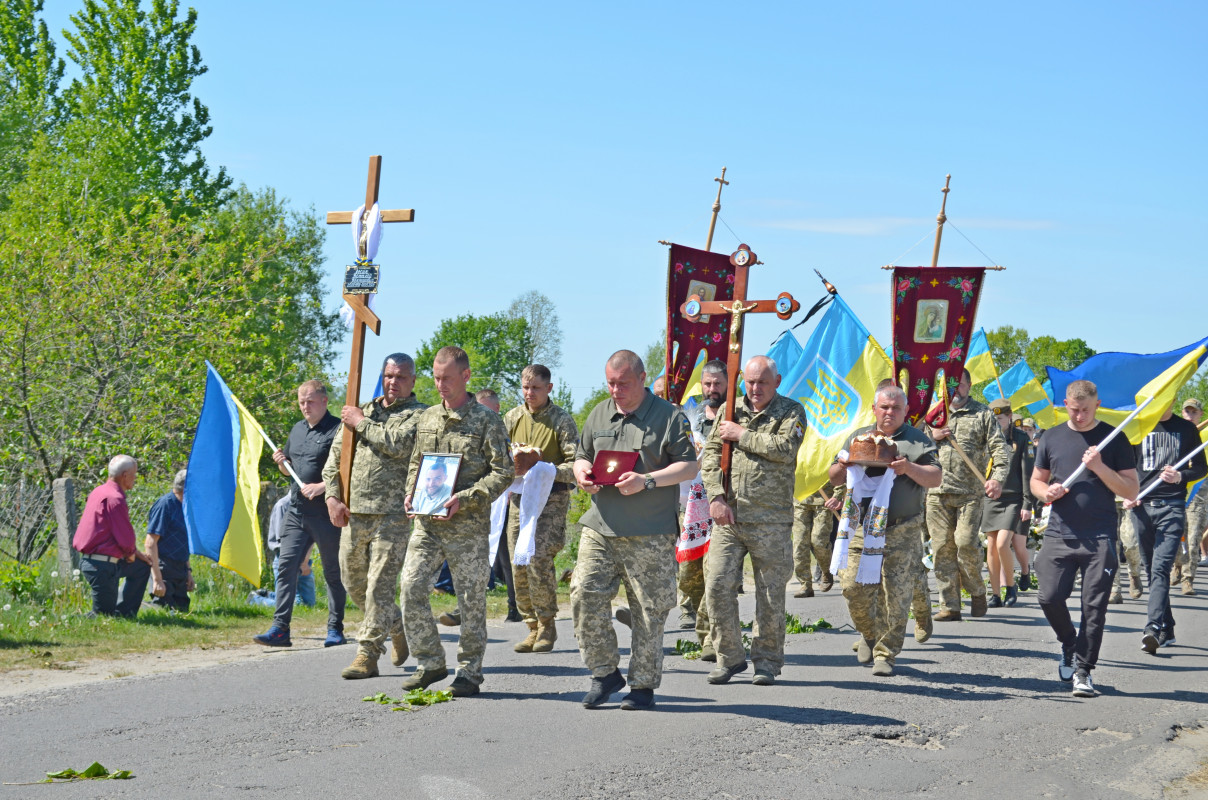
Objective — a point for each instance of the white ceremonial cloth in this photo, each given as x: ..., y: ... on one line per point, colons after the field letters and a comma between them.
x: 534, y: 489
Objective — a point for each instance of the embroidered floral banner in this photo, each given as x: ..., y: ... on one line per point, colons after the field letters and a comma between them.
x: 933, y: 313
x: 711, y: 276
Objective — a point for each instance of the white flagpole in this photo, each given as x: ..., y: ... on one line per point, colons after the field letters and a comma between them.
x: 273, y: 447
x: 1066, y: 483
x: 1154, y: 483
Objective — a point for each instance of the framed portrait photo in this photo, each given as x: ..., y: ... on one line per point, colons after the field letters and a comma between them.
x: 434, y: 485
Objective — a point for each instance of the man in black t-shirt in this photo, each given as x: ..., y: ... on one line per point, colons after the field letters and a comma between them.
x: 1160, y: 517
x: 1081, y: 537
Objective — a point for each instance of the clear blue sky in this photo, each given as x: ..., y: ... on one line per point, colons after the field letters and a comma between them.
x: 550, y: 146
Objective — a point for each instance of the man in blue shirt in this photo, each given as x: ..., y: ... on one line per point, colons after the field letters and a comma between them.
x: 167, y: 545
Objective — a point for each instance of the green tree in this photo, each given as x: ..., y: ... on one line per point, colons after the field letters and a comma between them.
x: 1047, y: 351
x: 498, y: 346
x: 655, y: 358
x: 30, y: 73
x: 544, y: 327
x: 134, y: 126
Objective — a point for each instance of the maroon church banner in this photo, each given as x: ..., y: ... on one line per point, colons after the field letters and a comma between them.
x: 711, y: 277
x: 933, y: 313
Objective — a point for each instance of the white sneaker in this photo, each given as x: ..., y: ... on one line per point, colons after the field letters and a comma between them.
x: 1065, y: 667
x: 1083, y: 686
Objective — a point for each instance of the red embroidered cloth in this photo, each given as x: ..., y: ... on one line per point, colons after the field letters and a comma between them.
x: 933, y: 313
x: 710, y: 275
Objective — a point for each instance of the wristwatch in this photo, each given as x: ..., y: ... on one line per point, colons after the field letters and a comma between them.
x: 649, y: 484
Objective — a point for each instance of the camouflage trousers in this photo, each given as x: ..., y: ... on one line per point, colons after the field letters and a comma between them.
x: 953, y: 521
x: 536, y: 584
x: 691, y: 582
x: 466, y: 548
x: 647, y: 566
x: 879, y: 612
x: 372, y: 549
x: 811, y: 536
x: 771, y: 551
x: 1128, y: 549
x: 1197, y: 519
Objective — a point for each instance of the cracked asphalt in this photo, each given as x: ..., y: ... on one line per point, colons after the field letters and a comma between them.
x: 977, y: 711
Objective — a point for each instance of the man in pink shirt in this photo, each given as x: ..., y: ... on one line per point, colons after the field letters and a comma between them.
x: 105, y: 539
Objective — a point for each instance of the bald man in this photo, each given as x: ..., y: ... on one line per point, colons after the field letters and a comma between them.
x: 754, y: 515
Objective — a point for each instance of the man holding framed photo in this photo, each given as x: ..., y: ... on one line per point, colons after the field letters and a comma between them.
x: 459, y: 429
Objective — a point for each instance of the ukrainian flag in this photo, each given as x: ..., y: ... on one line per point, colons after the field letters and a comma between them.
x: 223, y: 486
x: 835, y: 379
x: 979, y: 361
x: 1028, y: 397
x: 1163, y: 388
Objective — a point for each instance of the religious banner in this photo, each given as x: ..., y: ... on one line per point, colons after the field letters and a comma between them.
x: 710, y: 276
x: 933, y: 313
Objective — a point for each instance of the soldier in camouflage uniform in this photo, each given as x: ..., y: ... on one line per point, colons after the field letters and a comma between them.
x: 376, y: 529
x: 954, y: 509
x: 1128, y: 549
x: 754, y: 516
x: 812, y: 526
x: 459, y: 425
x: 879, y: 611
x: 539, y: 423
x: 629, y: 532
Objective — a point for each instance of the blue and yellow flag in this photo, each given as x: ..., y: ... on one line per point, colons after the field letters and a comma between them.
x: 1163, y: 388
x: 979, y: 361
x: 1118, y: 375
x: 223, y: 484
x: 835, y: 379
x: 1028, y: 397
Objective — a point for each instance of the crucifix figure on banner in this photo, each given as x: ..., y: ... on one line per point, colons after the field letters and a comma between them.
x: 783, y: 306
x: 360, y: 282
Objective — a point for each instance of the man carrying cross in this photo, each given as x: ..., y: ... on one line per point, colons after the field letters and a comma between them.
x: 752, y: 515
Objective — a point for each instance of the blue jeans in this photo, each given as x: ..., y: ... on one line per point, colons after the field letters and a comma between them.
x: 103, y: 577
x: 1159, y: 526
x: 305, y: 595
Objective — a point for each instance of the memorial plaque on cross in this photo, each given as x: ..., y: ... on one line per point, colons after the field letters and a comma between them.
x: 783, y: 306
x: 359, y: 303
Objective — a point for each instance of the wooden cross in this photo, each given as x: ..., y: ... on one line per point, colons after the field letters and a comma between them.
x: 364, y: 317
x: 783, y: 306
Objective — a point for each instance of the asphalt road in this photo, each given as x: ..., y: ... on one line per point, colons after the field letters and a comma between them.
x: 976, y: 712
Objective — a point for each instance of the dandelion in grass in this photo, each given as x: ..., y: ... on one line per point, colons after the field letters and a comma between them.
x: 8, y: 606
x: 75, y: 573
x: 54, y: 574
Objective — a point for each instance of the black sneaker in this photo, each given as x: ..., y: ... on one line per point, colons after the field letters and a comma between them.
x: 1083, y: 685
x: 994, y: 601
x: 1065, y: 668
x: 638, y: 700
x: 1149, y: 641
x: 1165, y: 638
x: 603, y: 688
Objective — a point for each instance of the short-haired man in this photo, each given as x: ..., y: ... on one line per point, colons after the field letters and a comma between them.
x: 434, y: 490
x: 1160, y: 518
x: 1197, y: 519
x: 1081, y: 536
x: 306, y: 521
x: 167, y: 546
x: 752, y: 513
x: 461, y: 425
x: 879, y: 609
x: 105, y: 539
x: 954, y: 508
x: 629, y: 532
x: 538, y: 422
x: 376, y: 529
x: 488, y: 398
x: 694, y: 611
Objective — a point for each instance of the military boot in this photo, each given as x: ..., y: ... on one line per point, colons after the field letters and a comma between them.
x: 399, y: 650
x: 828, y: 581
x: 525, y: 645
x: 363, y: 666
x: 1134, y: 585
x: 547, y: 634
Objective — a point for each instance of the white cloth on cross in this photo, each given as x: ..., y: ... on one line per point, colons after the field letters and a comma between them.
x: 861, y: 487
x: 534, y: 489
x: 372, y: 240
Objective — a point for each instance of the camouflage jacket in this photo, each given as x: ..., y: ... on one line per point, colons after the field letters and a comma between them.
x: 477, y: 434
x: 816, y: 499
x: 763, y: 466
x: 979, y: 436
x: 550, y: 429
x: 379, y: 459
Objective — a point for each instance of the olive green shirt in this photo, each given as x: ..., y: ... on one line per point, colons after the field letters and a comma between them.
x: 552, y: 431
x: 660, y: 434
x: 907, y: 498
